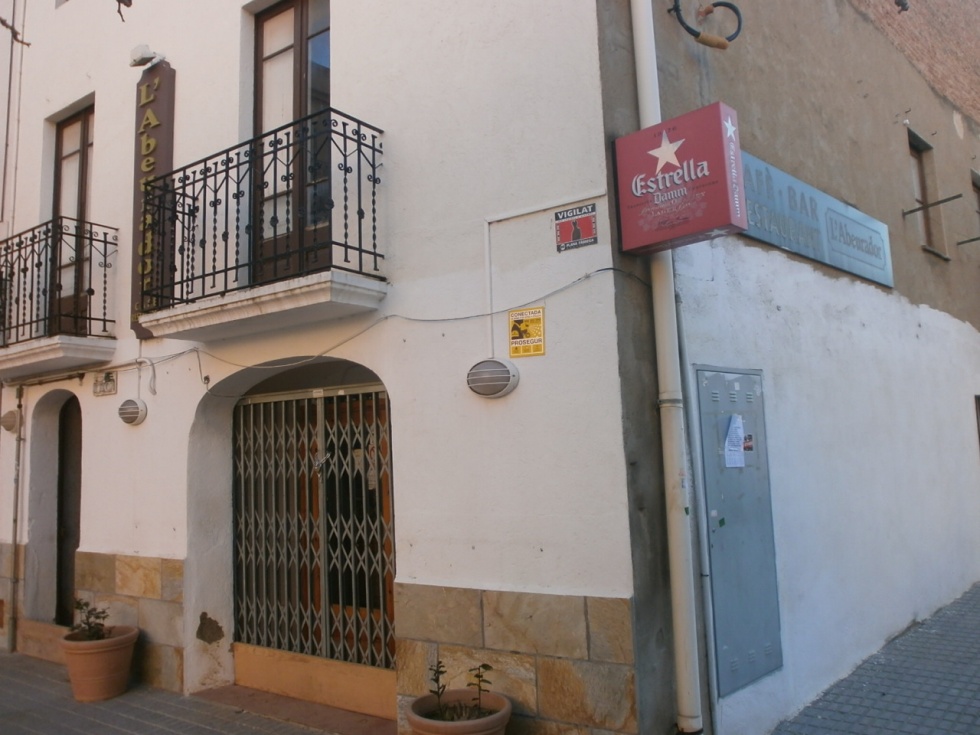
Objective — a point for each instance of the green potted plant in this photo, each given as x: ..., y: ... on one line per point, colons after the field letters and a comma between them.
x: 471, y: 711
x: 99, y: 657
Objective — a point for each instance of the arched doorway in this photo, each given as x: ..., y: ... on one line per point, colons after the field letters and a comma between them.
x: 313, y: 526
x: 54, y: 505
x: 291, y: 540
x: 69, y: 507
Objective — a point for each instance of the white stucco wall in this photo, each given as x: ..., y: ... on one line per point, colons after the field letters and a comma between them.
x: 492, y: 120
x: 9, y: 51
x: 489, y: 111
x: 873, y: 454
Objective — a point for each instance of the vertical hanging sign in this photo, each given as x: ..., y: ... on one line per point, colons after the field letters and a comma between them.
x: 154, y: 145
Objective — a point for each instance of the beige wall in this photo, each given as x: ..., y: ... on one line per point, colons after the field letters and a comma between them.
x: 869, y: 391
x: 822, y: 94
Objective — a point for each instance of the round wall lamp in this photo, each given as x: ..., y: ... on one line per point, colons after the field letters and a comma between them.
x: 132, y: 411
x: 10, y: 421
x: 492, y: 378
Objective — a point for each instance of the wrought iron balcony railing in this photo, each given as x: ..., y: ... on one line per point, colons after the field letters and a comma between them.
x: 54, y: 280
x: 296, y: 201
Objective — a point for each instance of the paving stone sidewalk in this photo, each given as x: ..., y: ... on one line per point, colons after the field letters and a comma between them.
x: 926, y: 681
x: 35, y: 699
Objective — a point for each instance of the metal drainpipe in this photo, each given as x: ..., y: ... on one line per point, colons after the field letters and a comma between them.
x: 671, y: 404
x: 6, y: 127
x: 18, y: 450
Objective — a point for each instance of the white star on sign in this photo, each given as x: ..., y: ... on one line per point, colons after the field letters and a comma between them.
x: 730, y: 127
x: 666, y: 153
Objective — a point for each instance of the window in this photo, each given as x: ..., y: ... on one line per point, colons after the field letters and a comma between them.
x: 73, y: 156
x: 925, y: 219
x: 72, y: 184
x: 977, y: 403
x: 293, y: 95
x: 973, y: 231
x: 293, y: 69
x: 976, y: 195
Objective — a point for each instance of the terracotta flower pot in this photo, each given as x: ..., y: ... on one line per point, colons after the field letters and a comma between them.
x: 493, y: 724
x: 100, y: 669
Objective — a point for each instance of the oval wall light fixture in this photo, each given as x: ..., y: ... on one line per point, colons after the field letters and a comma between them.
x: 492, y: 378
x: 10, y: 421
x: 132, y: 411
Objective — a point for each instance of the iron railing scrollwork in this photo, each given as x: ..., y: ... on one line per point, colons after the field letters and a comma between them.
x: 54, y: 280
x: 295, y: 201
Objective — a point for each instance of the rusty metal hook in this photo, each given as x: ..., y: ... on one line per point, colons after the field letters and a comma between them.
x: 709, y: 39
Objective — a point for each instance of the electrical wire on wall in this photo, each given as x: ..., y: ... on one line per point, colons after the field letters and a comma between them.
x: 419, y: 320
x: 140, y: 362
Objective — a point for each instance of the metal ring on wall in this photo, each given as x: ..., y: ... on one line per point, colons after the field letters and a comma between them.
x: 709, y: 39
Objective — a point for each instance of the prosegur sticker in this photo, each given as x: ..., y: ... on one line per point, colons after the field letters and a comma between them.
x: 575, y: 227
x: 526, y: 332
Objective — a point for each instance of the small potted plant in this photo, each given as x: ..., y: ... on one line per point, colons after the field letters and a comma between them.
x: 470, y: 711
x: 99, y: 657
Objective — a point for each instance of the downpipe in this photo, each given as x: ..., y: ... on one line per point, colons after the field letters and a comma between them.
x: 671, y: 406
x: 15, y: 515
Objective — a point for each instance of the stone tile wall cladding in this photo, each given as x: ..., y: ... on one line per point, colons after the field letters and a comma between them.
x: 566, y: 662
x: 146, y: 592
x: 6, y: 587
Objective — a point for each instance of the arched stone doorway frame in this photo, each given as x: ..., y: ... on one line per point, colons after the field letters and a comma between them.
x: 41, y: 554
x: 208, y: 568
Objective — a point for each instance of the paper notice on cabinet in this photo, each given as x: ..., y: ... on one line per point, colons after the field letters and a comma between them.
x: 735, y: 443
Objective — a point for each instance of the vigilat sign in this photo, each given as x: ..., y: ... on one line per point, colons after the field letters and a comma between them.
x: 681, y: 181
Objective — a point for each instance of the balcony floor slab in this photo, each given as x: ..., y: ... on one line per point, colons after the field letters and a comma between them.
x: 315, y: 298
x: 47, y: 355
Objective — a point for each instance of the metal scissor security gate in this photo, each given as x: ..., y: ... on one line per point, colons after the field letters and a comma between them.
x: 314, y: 545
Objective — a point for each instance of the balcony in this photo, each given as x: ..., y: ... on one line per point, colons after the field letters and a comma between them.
x: 278, y: 231
x: 55, y: 298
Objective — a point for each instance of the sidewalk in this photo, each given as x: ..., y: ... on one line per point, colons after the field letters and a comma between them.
x: 35, y: 699
x: 926, y: 681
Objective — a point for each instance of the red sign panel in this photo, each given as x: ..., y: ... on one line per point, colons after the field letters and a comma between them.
x: 575, y: 227
x: 681, y: 181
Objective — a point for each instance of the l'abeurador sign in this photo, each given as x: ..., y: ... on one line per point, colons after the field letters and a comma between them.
x: 154, y: 156
x: 681, y: 181
x: 794, y: 216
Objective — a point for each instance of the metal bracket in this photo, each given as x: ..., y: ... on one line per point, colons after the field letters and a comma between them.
x: 907, y: 212
x: 708, y: 39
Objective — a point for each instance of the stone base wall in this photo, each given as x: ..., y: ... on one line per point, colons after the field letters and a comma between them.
x: 146, y: 592
x: 7, y: 604
x: 566, y: 662
x: 142, y: 591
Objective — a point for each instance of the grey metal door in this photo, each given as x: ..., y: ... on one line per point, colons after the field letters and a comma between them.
x: 314, y: 543
x: 741, y: 549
